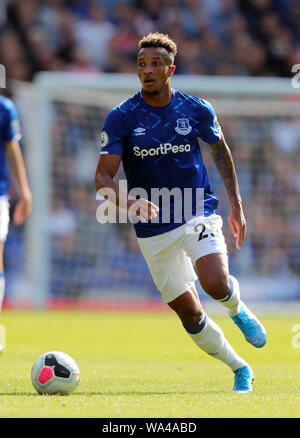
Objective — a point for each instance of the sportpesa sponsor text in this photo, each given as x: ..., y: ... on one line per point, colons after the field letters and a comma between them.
x: 162, y: 149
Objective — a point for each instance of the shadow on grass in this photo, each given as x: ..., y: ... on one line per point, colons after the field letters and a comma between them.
x: 115, y: 394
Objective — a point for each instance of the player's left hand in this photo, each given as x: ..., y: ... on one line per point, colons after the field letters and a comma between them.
x: 237, y: 223
x: 22, y: 209
x: 143, y: 209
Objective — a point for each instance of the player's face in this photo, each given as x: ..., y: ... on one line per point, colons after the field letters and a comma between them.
x: 154, y: 69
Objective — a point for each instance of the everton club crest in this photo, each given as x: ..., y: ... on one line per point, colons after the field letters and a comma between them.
x: 183, y: 126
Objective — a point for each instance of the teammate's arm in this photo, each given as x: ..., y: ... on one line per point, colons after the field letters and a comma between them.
x: 107, y: 167
x: 15, y: 158
x: 223, y: 160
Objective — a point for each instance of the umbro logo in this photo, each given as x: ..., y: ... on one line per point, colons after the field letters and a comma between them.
x: 139, y: 131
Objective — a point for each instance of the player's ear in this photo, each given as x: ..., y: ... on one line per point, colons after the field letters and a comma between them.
x: 172, y: 69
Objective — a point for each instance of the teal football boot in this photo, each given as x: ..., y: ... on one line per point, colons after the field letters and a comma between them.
x: 250, y: 326
x: 243, y: 380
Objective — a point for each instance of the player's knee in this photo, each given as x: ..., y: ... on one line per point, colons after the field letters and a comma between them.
x: 191, y: 317
x: 217, y: 287
x: 188, y: 308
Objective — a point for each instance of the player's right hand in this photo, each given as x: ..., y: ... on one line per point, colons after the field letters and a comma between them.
x: 22, y: 209
x: 143, y: 209
x: 237, y: 223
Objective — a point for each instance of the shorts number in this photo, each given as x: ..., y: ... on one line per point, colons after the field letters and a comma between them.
x: 202, y: 228
x: 201, y: 234
x: 215, y: 229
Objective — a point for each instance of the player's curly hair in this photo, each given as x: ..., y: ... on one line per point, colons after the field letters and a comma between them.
x: 157, y: 39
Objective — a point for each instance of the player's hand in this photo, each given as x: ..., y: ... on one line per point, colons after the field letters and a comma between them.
x: 143, y: 209
x: 22, y: 209
x: 237, y: 223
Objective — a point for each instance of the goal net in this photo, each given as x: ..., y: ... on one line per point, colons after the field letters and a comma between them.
x: 72, y: 258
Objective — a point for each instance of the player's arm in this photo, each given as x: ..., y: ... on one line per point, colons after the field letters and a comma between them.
x: 223, y: 160
x: 107, y: 167
x: 16, y: 161
x: 106, y: 170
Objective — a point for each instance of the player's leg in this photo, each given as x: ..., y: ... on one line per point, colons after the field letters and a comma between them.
x: 205, y: 244
x: 209, y: 337
x: 2, y: 277
x: 2, y: 289
x: 213, y: 274
x: 203, y: 330
x: 214, y: 277
x: 1, y: 274
x: 4, y: 222
x: 188, y: 308
x: 173, y: 273
x: 206, y: 334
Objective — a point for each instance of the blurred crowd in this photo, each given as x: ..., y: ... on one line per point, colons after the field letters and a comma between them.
x: 214, y: 37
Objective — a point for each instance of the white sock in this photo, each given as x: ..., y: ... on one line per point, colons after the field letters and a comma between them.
x: 2, y: 288
x: 211, y: 339
x: 232, y: 301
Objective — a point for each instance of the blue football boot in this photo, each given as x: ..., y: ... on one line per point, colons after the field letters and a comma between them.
x: 251, y: 328
x: 243, y: 380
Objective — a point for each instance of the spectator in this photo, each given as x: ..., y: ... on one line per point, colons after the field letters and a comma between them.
x: 94, y: 34
x: 81, y: 61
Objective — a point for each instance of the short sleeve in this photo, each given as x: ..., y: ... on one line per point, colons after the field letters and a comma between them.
x: 113, y: 134
x: 12, y: 126
x: 211, y: 130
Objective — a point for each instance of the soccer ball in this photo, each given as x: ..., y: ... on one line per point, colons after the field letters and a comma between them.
x: 55, y: 373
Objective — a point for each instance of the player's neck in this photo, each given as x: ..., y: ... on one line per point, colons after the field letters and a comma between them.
x: 160, y: 99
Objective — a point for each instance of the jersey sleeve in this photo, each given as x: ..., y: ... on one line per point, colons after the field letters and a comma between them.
x: 113, y: 134
x: 211, y: 131
x: 12, y: 126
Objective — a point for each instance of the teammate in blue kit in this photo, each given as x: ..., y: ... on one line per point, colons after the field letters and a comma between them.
x: 10, y: 153
x: 155, y: 133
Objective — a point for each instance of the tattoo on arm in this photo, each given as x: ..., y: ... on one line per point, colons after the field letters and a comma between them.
x: 223, y: 160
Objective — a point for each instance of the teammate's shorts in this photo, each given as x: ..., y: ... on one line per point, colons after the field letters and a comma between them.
x: 171, y: 256
x: 4, y: 217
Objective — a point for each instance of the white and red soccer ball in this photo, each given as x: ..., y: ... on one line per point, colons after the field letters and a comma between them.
x: 55, y: 373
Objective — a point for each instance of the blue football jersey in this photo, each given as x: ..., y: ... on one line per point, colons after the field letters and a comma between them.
x: 161, y: 156
x: 9, y: 130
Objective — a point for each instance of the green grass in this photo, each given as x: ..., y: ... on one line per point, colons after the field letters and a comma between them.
x: 145, y: 366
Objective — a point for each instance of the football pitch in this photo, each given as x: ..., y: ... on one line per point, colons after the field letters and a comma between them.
x: 144, y: 365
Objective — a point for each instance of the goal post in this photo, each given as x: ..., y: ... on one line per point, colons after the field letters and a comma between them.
x: 72, y: 257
